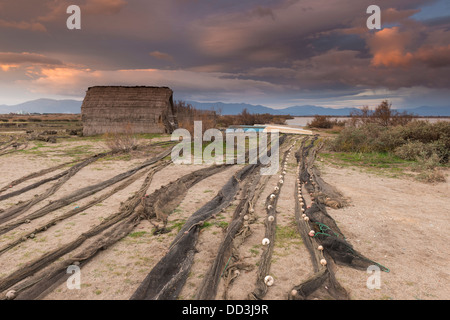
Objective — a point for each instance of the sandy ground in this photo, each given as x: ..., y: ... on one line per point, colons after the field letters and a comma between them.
x: 399, y: 223
x: 117, y: 272
x: 290, y: 263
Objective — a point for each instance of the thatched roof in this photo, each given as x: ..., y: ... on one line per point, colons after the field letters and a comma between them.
x: 118, y: 108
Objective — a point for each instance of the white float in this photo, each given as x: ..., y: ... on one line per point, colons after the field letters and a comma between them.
x: 268, y: 280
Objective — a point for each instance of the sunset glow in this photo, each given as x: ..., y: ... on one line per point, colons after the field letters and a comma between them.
x: 261, y: 52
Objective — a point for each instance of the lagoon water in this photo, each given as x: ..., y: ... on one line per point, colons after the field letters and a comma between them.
x: 303, y: 121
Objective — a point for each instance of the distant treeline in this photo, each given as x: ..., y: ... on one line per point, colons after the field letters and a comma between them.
x: 247, y: 118
x: 382, y: 115
x: 55, y: 117
x: 187, y: 114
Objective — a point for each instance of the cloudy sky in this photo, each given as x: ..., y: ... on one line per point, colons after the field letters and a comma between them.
x: 276, y: 53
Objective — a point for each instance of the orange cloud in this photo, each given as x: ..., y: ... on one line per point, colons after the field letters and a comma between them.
x: 6, y: 67
x: 161, y: 55
x: 103, y: 6
x: 393, y: 48
x: 388, y: 47
x: 73, y: 81
x: 392, y: 58
x: 15, y: 59
x: 23, y: 25
x: 434, y: 57
x: 61, y: 74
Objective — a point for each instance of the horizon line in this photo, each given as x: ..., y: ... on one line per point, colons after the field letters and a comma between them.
x: 255, y: 105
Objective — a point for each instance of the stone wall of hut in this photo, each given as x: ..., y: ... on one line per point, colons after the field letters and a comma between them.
x: 117, y: 109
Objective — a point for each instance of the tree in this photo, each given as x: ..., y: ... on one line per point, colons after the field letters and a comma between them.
x: 383, y: 114
x: 362, y: 115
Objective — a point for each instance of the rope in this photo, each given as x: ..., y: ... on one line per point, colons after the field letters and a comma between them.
x: 380, y: 265
x: 226, y: 266
x: 323, y: 228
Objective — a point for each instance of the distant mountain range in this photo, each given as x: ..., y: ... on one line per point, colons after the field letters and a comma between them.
x: 44, y: 106
x: 306, y: 110
x: 74, y: 106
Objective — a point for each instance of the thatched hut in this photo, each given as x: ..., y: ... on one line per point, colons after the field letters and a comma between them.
x: 118, y: 109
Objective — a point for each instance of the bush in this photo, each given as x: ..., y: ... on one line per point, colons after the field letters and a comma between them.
x: 365, y: 138
x: 121, y: 141
x: 247, y: 118
x: 428, y: 162
x: 442, y: 147
x: 419, y: 135
x: 383, y: 115
x: 428, y: 167
x: 325, y: 122
x: 388, y: 139
x: 187, y: 114
x: 423, y: 131
x: 435, y: 135
x: 322, y: 122
x: 417, y: 139
x: 431, y: 176
x: 428, y: 144
x: 412, y: 150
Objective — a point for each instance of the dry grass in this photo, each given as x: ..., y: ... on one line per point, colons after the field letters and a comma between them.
x: 325, y: 122
x: 247, y: 118
x: 125, y: 141
x: 431, y: 176
x: 187, y: 114
x: 41, y: 117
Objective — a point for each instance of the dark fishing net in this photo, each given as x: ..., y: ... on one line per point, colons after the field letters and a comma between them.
x: 336, y: 249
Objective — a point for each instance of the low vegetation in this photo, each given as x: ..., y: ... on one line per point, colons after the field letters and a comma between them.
x: 187, y: 114
x: 416, y: 140
x: 125, y: 141
x: 425, y: 145
x: 247, y: 118
x: 325, y: 122
x: 383, y: 115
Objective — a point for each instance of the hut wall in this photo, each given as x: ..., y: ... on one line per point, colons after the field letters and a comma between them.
x: 118, y: 109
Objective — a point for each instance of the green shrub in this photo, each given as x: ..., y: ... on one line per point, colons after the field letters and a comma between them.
x: 412, y: 150
x: 415, y: 139
x: 365, y: 138
x: 423, y: 131
x: 428, y: 162
x: 442, y: 148
x: 322, y: 122
x: 387, y: 139
x: 383, y: 115
x: 325, y: 122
